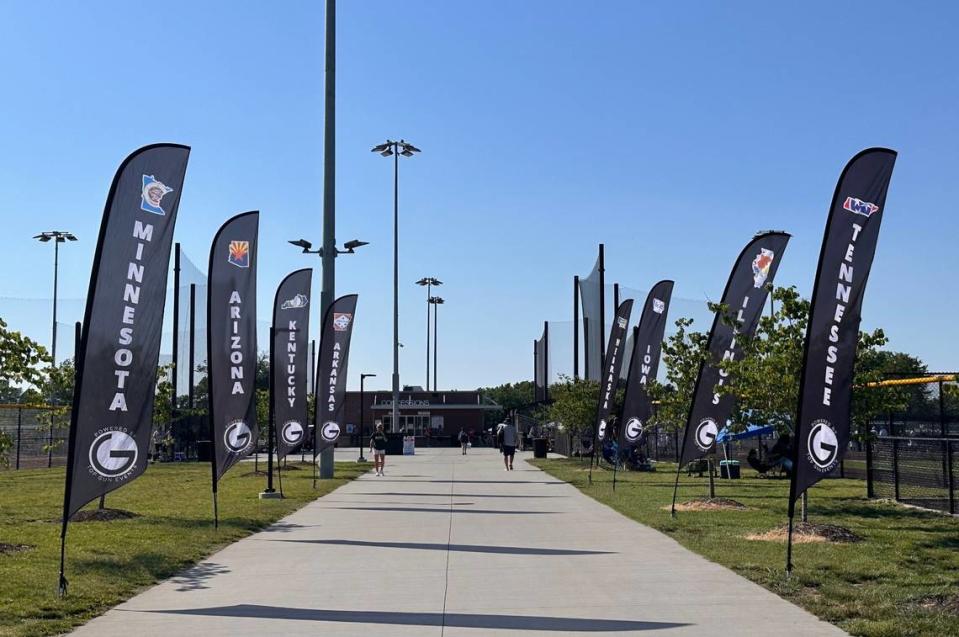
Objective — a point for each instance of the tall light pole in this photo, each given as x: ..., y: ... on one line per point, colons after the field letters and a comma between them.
x: 386, y: 149
x: 437, y: 301
x: 327, y: 254
x: 363, y: 377
x: 429, y: 282
x: 58, y: 237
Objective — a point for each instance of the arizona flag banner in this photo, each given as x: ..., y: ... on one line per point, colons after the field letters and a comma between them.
x: 331, y: 372
x: 832, y: 334
x: 288, y: 365
x: 745, y: 295
x: 112, y: 418
x: 644, y: 364
x: 231, y: 342
x: 612, y: 364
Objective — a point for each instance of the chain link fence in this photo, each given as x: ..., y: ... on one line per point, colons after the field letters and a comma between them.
x: 34, y: 436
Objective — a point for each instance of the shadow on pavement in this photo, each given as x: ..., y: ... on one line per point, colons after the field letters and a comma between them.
x: 457, y: 495
x: 465, y: 548
x: 443, y: 510
x: 458, y: 620
x: 195, y: 579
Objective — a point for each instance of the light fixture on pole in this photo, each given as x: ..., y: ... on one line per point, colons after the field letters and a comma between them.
x: 326, y: 457
x: 395, y: 149
x: 58, y: 237
x: 363, y: 377
x: 437, y: 301
x: 428, y: 282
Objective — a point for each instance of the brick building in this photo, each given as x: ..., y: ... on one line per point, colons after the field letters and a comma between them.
x: 441, y: 413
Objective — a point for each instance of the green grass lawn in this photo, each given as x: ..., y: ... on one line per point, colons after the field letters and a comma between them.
x: 108, y: 562
x: 887, y: 585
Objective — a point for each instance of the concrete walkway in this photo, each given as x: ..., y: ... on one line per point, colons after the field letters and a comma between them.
x: 456, y: 546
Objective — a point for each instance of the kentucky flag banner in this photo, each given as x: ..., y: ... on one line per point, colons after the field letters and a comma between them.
x: 231, y: 342
x: 291, y: 338
x: 331, y: 371
x: 832, y: 334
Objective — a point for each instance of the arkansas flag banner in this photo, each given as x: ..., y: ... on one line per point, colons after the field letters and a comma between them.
x: 331, y: 372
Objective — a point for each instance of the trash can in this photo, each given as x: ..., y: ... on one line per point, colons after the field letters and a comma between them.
x: 539, y: 447
x: 729, y: 469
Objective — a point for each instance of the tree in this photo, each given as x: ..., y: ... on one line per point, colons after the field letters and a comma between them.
x: 20, y: 358
x: 574, y: 403
x: 683, y: 354
x: 765, y: 379
x: 509, y: 396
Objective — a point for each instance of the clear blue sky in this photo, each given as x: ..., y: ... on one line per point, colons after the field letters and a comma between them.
x: 670, y: 131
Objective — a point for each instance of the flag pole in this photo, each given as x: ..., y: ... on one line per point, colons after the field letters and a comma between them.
x: 62, y: 582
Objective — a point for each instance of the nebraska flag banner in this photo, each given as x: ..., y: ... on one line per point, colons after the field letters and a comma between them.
x: 231, y: 342
x: 112, y: 417
x: 331, y: 371
x: 848, y: 246
x: 644, y: 364
x: 744, y: 296
x: 291, y: 337
x: 612, y: 364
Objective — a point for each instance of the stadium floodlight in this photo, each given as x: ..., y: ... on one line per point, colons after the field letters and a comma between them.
x: 58, y: 237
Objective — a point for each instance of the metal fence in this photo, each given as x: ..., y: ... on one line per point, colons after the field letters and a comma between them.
x: 37, y: 436
x: 918, y: 471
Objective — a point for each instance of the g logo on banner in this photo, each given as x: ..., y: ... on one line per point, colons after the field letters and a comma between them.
x: 292, y: 432
x: 706, y: 434
x: 330, y: 431
x: 113, y: 454
x: 602, y: 429
x: 237, y: 436
x: 822, y: 446
x: 633, y: 430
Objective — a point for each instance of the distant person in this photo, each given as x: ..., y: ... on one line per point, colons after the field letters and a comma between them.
x: 464, y: 439
x: 378, y: 449
x: 510, y: 438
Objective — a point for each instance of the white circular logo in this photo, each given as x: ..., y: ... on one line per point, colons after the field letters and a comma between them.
x: 292, y: 432
x: 602, y: 429
x: 706, y: 434
x: 633, y: 430
x: 822, y: 445
x: 237, y: 436
x: 113, y: 453
x: 330, y: 431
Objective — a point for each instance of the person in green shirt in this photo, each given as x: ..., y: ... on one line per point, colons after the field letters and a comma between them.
x: 378, y: 449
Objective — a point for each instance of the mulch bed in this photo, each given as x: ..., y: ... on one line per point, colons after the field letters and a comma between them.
x: 710, y: 504
x: 10, y: 549
x: 948, y: 604
x: 102, y: 515
x: 807, y: 532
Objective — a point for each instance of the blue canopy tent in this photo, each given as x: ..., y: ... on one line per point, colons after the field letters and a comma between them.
x: 752, y: 431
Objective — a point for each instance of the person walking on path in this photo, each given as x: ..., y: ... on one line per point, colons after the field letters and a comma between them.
x: 378, y: 449
x: 464, y: 440
x: 508, y: 430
